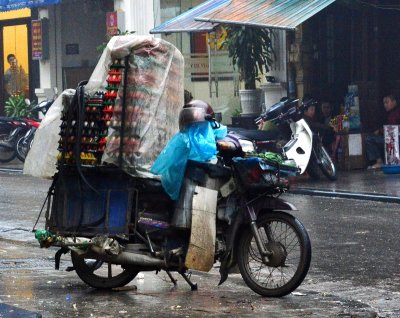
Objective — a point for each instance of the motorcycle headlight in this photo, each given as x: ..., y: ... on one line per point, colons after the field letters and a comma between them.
x: 247, y: 146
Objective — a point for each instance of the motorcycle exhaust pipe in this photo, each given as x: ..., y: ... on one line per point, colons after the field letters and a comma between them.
x: 126, y: 258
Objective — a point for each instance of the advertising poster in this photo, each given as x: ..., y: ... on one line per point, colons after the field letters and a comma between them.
x: 391, y: 133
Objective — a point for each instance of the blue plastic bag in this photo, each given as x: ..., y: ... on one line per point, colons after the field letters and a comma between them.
x: 196, y: 142
x: 171, y: 164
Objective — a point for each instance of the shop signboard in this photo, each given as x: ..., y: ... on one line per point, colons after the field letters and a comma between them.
x: 37, y: 47
x: 197, y: 66
x: 7, y: 5
x: 392, y: 154
x: 112, y: 23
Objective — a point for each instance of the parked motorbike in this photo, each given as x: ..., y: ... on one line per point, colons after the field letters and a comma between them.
x: 11, y: 130
x: 282, y: 114
x: 116, y: 225
x: 289, y: 110
x: 24, y: 143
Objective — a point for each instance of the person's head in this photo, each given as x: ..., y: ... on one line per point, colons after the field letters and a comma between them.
x: 11, y: 58
x: 389, y: 102
x: 310, y: 111
x: 326, y: 109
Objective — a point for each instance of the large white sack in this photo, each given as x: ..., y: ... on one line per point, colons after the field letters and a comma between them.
x: 42, y: 158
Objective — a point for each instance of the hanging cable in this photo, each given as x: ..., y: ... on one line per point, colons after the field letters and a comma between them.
x: 380, y: 6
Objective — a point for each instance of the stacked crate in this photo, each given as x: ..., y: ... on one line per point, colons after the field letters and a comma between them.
x: 93, y: 128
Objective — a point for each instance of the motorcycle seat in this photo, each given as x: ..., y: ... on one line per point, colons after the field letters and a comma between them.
x: 196, y: 170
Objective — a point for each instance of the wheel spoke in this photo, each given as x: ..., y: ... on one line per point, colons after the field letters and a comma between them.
x: 283, y: 234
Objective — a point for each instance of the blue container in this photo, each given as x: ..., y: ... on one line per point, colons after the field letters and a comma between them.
x: 104, y: 207
x: 391, y: 169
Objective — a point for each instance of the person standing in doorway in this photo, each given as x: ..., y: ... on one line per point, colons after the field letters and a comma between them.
x: 15, y: 79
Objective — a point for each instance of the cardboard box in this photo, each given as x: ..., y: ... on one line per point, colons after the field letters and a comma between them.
x: 351, y: 152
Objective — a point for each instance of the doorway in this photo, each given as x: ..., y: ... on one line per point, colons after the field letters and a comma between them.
x: 15, y: 65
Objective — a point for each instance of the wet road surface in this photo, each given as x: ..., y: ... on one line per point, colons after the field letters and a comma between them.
x: 354, y: 270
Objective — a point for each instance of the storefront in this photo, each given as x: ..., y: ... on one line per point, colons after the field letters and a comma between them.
x: 209, y: 74
x: 209, y: 71
x: 49, y: 44
x: 76, y: 29
x: 17, y: 65
x: 348, y: 55
x: 355, y: 45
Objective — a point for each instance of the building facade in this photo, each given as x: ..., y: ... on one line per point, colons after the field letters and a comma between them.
x: 77, y: 27
x: 340, y: 46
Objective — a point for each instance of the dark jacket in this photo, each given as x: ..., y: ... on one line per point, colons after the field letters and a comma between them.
x: 393, y: 117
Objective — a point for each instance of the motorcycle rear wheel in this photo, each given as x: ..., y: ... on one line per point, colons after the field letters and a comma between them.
x: 289, y: 264
x: 102, y: 275
x: 22, y: 148
x: 7, y: 153
x: 313, y: 168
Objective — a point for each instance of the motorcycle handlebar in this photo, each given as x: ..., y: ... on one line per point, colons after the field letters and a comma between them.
x: 288, y: 114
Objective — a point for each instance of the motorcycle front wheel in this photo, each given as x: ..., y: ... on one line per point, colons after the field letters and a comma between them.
x: 286, y: 268
x: 102, y: 275
x: 325, y: 163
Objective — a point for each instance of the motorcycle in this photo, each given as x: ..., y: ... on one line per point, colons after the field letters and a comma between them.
x: 228, y: 212
x: 282, y: 114
x: 11, y: 130
x: 320, y: 159
x: 24, y: 143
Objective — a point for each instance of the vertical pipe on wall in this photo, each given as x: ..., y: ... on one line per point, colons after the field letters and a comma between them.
x: 216, y: 73
x: 209, y: 65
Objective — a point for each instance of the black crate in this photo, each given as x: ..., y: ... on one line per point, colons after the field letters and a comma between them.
x: 103, y: 205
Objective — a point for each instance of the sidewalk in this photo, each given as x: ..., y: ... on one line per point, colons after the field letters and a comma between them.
x: 358, y: 184
x: 362, y: 184
x: 15, y: 164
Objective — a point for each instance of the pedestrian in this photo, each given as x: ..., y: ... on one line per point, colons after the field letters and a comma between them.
x: 15, y: 79
x: 375, y: 143
x: 324, y: 130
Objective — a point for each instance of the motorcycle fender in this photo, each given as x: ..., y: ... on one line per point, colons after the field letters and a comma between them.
x: 274, y: 204
x: 300, y: 146
x: 201, y: 250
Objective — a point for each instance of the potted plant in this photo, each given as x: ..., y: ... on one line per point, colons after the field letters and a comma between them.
x: 251, y: 51
x: 18, y: 106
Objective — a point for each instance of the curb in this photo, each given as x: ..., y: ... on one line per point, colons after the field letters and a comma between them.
x: 314, y: 192
x: 346, y: 195
x: 11, y: 170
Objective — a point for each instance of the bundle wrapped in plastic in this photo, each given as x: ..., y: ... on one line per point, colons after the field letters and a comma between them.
x: 42, y: 158
x: 153, y: 98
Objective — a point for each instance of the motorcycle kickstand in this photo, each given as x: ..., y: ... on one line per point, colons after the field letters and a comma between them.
x: 193, y: 286
x: 173, y: 280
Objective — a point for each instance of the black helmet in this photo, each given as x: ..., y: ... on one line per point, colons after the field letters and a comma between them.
x: 195, y: 111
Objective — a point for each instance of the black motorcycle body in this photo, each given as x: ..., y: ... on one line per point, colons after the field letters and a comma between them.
x: 227, y: 212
